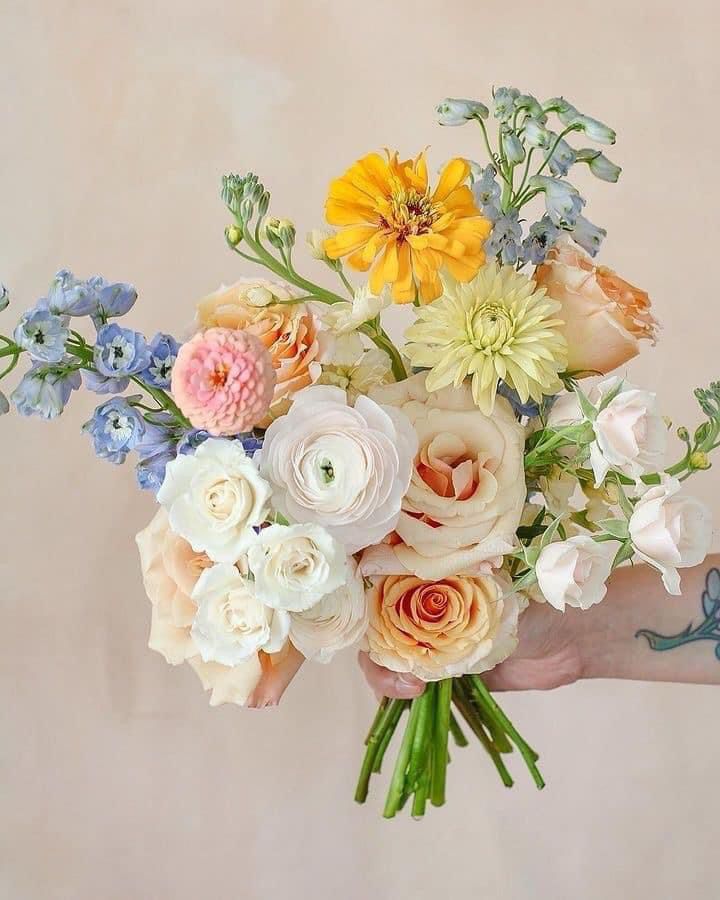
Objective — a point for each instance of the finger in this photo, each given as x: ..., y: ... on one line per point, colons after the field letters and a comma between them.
x: 277, y: 675
x: 390, y: 684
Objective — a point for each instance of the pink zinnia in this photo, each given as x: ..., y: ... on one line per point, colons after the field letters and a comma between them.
x: 223, y: 381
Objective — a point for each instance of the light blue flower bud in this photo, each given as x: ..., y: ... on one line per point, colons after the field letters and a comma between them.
x: 457, y: 112
x: 594, y: 129
x: 514, y: 150
x: 589, y: 236
x: 559, y: 105
x: 504, y: 102
x: 4, y: 297
x: 563, y: 156
x: 562, y: 201
x: 537, y: 135
x: 603, y: 168
x: 532, y: 107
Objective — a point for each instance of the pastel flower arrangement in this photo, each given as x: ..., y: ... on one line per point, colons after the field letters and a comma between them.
x: 320, y: 487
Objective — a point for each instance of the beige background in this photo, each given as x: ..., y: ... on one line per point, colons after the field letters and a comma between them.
x: 118, y: 781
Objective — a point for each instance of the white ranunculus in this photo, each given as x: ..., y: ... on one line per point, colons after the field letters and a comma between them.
x: 346, y: 468
x: 232, y: 624
x: 574, y: 572
x: 295, y: 566
x: 214, y: 498
x: 671, y: 531
x: 334, y: 623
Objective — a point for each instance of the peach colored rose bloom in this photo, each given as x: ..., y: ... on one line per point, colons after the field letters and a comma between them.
x: 439, y: 629
x: 291, y: 333
x: 605, y: 316
x: 467, y: 488
x: 170, y: 570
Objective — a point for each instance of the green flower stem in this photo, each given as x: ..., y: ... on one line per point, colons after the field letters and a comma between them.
x: 398, y: 710
x: 496, y: 731
x: 382, y: 340
x: 470, y: 716
x: 378, y: 716
x: 493, y: 157
x: 526, y: 751
x: 523, y: 181
x: 554, y: 147
x: 397, y: 794
x: 374, y: 740
x: 422, y: 790
x: 457, y: 732
x: 422, y: 737
x: 443, y: 694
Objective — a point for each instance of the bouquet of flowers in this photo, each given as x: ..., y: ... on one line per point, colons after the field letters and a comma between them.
x: 319, y: 486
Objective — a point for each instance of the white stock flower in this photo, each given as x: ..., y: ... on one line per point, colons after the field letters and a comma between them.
x: 295, y: 566
x: 334, y: 623
x: 232, y: 624
x: 348, y: 316
x: 214, y: 498
x: 574, y: 572
x: 346, y: 468
x: 670, y: 531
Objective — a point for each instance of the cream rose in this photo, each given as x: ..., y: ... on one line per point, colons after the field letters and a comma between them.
x: 444, y: 628
x: 670, y: 531
x: 171, y: 569
x: 334, y: 623
x: 605, y: 316
x: 295, y: 566
x: 467, y: 488
x: 231, y: 623
x: 574, y: 572
x: 214, y: 498
x: 289, y: 332
x: 345, y: 468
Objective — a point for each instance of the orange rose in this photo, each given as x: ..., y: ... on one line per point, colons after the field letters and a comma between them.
x: 605, y: 316
x: 439, y: 629
x: 290, y: 332
x: 170, y: 570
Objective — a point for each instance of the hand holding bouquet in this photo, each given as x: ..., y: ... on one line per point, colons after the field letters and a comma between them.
x: 319, y: 486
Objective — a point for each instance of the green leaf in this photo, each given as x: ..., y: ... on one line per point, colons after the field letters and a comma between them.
x: 608, y: 399
x: 616, y: 527
x: 625, y: 553
x: 588, y: 410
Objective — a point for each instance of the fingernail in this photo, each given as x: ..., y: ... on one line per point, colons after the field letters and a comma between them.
x: 407, y: 687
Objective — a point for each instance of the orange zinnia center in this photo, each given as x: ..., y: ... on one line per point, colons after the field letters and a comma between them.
x: 408, y: 212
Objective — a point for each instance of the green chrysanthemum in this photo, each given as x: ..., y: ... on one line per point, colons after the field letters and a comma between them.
x: 498, y: 326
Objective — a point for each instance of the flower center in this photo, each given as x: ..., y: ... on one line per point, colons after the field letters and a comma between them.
x: 491, y: 327
x: 409, y: 213
x: 218, y: 377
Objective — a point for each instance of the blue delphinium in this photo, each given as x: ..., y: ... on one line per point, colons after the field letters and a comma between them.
x: 191, y: 440
x: 101, y: 384
x: 155, y: 449
x: 504, y: 103
x: 163, y: 353
x: 42, y: 334
x: 486, y: 191
x: 113, y: 299
x: 116, y: 428
x: 563, y: 203
x: 120, y: 352
x: 541, y: 237
x: 589, y: 236
x: 505, y: 238
x: 563, y: 157
x: 69, y: 296
x: 44, y: 391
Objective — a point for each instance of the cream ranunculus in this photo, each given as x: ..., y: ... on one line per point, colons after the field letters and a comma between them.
x: 345, y: 468
x: 295, y: 566
x: 574, y: 572
x: 605, y: 316
x: 334, y: 623
x: 214, y: 498
x: 231, y: 623
x: 171, y: 569
x: 467, y: 489
x: 444, y: 628
x: 670, y: 531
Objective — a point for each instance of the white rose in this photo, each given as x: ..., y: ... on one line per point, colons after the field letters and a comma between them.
x: 214, y: 498
x: 296, y: 565
x: 342, y: 467
x: 574, y: 572
x: 467, y: 489
x: 337, y: 621
x: 670, y: 531
x: 232, y: 624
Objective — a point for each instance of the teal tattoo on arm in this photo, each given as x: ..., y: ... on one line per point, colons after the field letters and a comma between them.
x: 707, y: 630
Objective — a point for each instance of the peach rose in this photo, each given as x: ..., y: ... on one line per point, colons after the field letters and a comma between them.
x: 441, y: 629
x: 170, y: 570
x: 605, y: 316
x: 290, y: 333
x: 467, y: 488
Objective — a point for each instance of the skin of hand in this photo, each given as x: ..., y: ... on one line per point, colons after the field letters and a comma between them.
x: 275, y: 678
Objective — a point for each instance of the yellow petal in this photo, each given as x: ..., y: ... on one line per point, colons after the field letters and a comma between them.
x: 453, y: 175
x: 348, y: 240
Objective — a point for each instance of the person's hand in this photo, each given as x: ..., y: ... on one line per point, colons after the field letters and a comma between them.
x: 548, y: 655
x: 277, y: 675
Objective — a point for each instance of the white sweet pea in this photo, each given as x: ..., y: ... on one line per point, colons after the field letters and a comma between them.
x: 574, y: 572
x: 231, y: 624
x: 295, y: 566
x: 670, y: 531
x: 342, y: 467
x: 337, y: 621
x: 214, y: 498
x: 630, y: 434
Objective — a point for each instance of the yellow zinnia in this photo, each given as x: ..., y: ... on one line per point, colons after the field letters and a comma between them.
x: 389, y: 216
x: 499, y: 326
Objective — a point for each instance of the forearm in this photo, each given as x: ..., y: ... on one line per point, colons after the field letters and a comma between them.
x: 641, y: 632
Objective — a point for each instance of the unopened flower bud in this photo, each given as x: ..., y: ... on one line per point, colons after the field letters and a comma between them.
x: 458, y: 112
x: 683, y: 434
x: 699, y: 460
x: 316, y: 242
x: 286, y: 230
x: 514, y: 150
x: 233, y: 235
x: 260, y: 296
x: 263, y: 203
x: 536, y: 134
x: 603, y: 168
x: 597, y: 131
x: 246, y: 209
